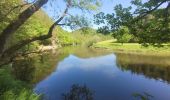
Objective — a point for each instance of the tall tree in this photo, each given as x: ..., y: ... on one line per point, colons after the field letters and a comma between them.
x: 148, y: 22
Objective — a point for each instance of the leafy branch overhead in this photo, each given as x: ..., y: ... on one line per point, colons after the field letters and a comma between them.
x: 84, y: 5
x: 147, y: 21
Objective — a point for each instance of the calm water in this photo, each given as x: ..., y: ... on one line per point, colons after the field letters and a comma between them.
x: 104, y: 75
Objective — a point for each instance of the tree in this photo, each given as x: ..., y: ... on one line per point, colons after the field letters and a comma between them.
x: 7, y: 53
x: 149, y: 23
x: 114, y: 21
x: 13, y: 26
x: 152, y: 24
x: 123, y: 35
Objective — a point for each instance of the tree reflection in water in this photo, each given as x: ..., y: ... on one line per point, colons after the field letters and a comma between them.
x: 78, y: 92
x: 144, y: 96
x: 157, y: 68
x: 24, y: 69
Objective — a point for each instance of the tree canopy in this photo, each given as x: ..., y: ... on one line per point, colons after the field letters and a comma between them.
x: 27, y: 9
x: 149, y: 22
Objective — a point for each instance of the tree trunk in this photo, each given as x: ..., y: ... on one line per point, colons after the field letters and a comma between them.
x: 54, y: 41
x: 12, y: 27
x: 8, y: 54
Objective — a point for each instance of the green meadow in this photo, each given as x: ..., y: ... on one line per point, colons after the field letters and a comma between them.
x: 134, y: 48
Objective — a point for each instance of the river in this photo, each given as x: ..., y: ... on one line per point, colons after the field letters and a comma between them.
x: 75, y: 72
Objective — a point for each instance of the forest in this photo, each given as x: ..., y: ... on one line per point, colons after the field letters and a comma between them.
x: 40, y: 39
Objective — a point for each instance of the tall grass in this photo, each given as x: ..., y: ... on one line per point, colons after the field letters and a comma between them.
x: 12, y: 89
x: 23, y: 95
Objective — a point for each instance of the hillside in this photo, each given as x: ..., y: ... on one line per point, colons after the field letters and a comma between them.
x: 87, y: 36
x: 37, y: 25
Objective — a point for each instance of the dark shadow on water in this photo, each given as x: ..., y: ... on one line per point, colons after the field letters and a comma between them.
x: 78, y: 92
x: 24, y: 69
x: 82, y: 92
x: 36, y: 68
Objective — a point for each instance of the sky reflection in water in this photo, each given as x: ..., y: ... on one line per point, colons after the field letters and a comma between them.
x: 103, y: 76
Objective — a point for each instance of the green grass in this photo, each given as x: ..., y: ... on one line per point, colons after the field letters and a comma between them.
x: 133, y: 48
x: 13, y: 89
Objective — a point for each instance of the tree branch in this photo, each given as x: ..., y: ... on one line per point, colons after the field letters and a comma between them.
x: 13, y: 26
x: 166, y: 15
x: 62, y: 24
x: 148, y: 12
x: 22, y: 43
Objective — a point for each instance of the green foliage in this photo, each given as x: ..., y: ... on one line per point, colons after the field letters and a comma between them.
x: 37, y: 25
x: 7, y: 82
x: 79, y: 20
x: 65, y: 38
x: 6, y: 7
x: 86, y: 4
x: 125, y: 38
x: 87, y: 36
x: 152, y: 29
x: 87, y: 30
x: 114, y: 21
x: 148, y: 23
x: 23, y: 95
x: 123, y: 35
x: 11, y: 89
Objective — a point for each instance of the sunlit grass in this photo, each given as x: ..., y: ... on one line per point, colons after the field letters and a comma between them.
x: 133, y: 48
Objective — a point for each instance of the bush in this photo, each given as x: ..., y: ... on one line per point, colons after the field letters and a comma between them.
x: 123, y: 35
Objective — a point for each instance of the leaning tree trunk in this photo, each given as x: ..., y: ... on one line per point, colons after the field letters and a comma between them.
x: 53, y: 40
x: 12, y: 27
x: 9, y: 53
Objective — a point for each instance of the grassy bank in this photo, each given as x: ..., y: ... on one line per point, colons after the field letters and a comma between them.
x: 133, y: 48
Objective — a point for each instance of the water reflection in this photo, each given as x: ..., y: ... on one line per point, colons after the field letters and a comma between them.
x: 111, y: 76
x: 24, y: 69
x: 35, y: 69
x: 78, y: 92
x: 151, y: 67
x: 143, y: 96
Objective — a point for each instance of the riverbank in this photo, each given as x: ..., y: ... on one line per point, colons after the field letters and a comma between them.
x: 133, y: 48
x: 14, y: 89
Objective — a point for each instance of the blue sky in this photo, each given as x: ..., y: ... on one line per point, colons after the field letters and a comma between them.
x: 56, y: 7
x: 107, y: 5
